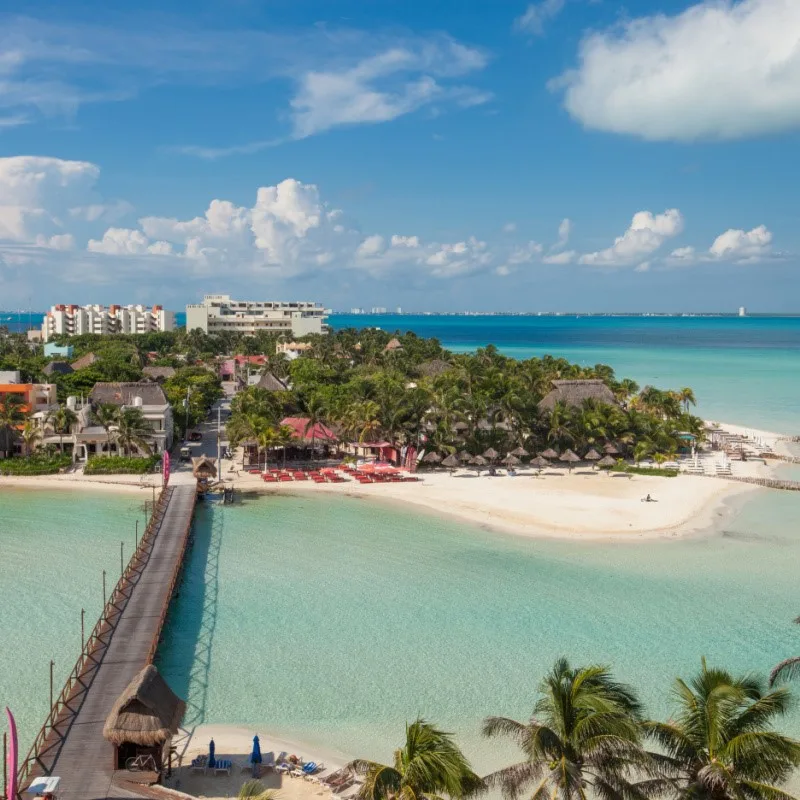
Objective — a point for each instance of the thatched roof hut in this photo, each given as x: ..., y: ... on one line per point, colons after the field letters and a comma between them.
x: 573, y: 393
x: 147, y: 713
x: 271, y: 383
x: 549, y: 453
x: 393, y: 346
x: 204, y: 467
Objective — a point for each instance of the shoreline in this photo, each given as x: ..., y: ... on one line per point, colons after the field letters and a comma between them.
x: 580, y: 504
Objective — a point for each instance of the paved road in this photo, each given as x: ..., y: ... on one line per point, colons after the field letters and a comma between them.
x: 85, y: 761
x: 208, y: 447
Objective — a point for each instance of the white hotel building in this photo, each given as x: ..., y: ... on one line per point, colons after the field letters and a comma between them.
x: 72, y: 320
x: 219, y: 313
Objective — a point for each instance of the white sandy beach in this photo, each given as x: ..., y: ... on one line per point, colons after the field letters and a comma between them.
x: 235, y: 743
x: 584, y: 503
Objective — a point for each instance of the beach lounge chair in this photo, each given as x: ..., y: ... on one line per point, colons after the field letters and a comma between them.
x: 199, y: 764
x: 223, y: 767
x: 268, y: 762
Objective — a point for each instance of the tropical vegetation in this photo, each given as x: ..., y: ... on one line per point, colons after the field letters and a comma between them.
x: 39, y: 464
x: 117, y: 465
x: 787, y: 669
x: 427, y: 765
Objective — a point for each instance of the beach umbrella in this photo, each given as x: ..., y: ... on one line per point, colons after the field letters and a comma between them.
x: 211, y: 763
x: 592, y: 455
x: 432, y: 458
x: 465, y: 456
x: 570, y: 458
x: 606, y: 461
x: 451, y: 462
x: 511, y: 460
x: 519, y: 452
x: 549, y: 453
x: 610, y: 449
x: 540, y: 463
x: 479, y: 461
x: 491, y: 454
x: 255, y: 756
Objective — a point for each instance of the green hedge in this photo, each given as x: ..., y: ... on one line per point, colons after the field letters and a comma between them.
x: 657, y: 471
x: 34, y: 465
x: 116, y: 465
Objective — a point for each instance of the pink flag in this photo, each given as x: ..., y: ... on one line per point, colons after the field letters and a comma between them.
x: 165, y: 464
x: 12, y: 757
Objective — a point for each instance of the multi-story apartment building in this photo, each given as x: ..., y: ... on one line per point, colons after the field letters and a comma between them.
x: 72, y: 320
x: 219, y: 313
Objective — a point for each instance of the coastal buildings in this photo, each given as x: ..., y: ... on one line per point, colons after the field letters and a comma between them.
x: 218, y: 312
x: 742, y: 311
x: 34, y: 397
x: 148, y: 397
x: 74, y: 320
x: 292, y: 350
x: 52, y: 349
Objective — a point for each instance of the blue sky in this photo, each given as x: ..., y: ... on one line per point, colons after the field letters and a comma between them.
x: 560, y: 154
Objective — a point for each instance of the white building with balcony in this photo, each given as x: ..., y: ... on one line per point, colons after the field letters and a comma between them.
x: 219, y: 313
x: 73, y: 320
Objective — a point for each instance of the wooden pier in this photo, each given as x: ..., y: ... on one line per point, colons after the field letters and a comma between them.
x: 125, y: 639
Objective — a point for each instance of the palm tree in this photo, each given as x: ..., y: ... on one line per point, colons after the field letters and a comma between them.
x: 285, y: 436
x: 315, y: 411
x: 786, y: 670
x: 267, y: 438
x: 720, y: 745
x: 62, y: 420
x: 12, y: 416
x: 132, y: 429
x: 686, y: 396
x: 427, y: 766
x: 584, y: 732
x: 254, y: 790
x: 106, y: 415
x: 31, y: 434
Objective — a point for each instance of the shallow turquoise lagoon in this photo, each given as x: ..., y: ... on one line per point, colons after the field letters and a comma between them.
x: 54, y: 546
x: 335, y: 620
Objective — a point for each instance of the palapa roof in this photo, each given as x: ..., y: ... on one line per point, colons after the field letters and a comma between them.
x: 85, y: 361
x: 394, y: 344
x: 203, y: 466
x: 271, y: 383
x: 434, y: 367
x: 607, y: 461
x: 147, y: 713
x: 123, y: 394
x: 158, y: 373
x: 573, y: 393
x: 57, y: 368
x: 549, y: 453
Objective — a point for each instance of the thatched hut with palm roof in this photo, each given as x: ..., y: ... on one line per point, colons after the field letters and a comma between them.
x: 204, y: 467
x: 573, y: 393
x: 549, y: 453
x: 144, y: 719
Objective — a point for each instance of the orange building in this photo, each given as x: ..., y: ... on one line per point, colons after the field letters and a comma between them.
x: 34, y: 396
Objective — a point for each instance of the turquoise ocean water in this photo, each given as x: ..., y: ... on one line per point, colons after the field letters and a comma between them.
x: 54, y: 546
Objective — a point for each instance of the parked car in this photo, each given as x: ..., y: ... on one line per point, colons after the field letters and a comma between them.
x: 195, y: 436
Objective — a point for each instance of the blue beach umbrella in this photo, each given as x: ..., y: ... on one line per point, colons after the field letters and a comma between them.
x: 211, y: 762
x: 255, y: 756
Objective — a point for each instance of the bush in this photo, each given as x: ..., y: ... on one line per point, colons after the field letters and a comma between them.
x: 120, y: 465
x: 35, y: 465
x: 659, y: 472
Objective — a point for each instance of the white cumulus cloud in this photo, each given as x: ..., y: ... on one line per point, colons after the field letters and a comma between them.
x: 718, y: 70
x: 646, y: 233
x: 537, y: 14
x: 738, y: 245
x: 127, y: 242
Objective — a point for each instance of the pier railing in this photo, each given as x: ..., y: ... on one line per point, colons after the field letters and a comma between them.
x: 53, y: 732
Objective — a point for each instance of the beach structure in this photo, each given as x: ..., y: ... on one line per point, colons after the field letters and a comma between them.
x: 218, y: 312
x: 75, y: 320
x: 573, y: 393
x: 110, y: 706
x: 144, y: 719
x: 269, y: 382
x: 149, y: 398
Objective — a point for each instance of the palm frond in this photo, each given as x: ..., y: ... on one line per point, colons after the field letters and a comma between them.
x: 785, y: 671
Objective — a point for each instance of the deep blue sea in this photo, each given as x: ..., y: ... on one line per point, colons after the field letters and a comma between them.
x: 743, y: 370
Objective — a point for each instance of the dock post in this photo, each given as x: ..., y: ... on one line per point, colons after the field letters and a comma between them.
x: 104, y: 593
x: 121, y: 560
x: 83, y: 633
x: 52, y: 664
x: 136, y: 537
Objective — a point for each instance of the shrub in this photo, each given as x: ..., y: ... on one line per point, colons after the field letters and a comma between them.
x: 621, y: 466
x: 120, y: 465
x: 35, y: 465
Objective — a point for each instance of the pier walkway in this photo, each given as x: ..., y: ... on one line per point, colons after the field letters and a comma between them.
x: 71, y: 744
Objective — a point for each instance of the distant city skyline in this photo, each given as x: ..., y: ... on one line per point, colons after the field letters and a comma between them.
x: 538, y: 154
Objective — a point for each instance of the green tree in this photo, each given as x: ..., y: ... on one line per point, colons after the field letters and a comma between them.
x: 133, y: 430
x: 427, y: 766
x: 584, y: 732
x: 107, y: 416
x: 12, y: 416
x: 62, y: 419
x: 787, y: 669
x: 720, y: 743
x: 31, y: 434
